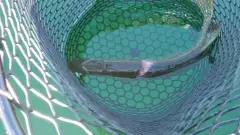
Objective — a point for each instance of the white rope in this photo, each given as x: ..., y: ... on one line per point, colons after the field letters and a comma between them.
x: 6, y: 94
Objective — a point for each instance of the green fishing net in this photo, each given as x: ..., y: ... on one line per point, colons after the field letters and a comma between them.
x: 40, y: 95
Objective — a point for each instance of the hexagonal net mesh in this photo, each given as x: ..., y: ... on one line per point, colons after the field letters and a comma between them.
x: 39, y: 37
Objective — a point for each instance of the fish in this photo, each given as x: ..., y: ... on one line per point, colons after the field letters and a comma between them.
x: 148, y: 68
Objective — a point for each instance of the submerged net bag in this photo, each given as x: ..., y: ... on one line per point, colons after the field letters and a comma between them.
x: 40, y: 95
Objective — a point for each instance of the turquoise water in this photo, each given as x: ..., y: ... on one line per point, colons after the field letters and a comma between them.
x: 126, y: 30
x: 126, y: 94
x: 150, y: 41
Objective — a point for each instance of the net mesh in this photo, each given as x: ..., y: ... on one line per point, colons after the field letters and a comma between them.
x: 45, y: 95
x: 116, y: 31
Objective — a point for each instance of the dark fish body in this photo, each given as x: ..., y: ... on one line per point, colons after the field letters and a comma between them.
x: 133, y: 68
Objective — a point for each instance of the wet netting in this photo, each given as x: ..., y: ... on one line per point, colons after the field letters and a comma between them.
x: 41, y: 95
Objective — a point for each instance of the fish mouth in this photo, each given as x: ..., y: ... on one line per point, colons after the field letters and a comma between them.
x: 76, y: 66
